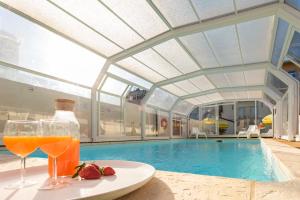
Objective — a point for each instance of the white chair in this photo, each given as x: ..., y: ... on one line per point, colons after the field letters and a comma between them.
x: 196, y: 132
x: 251, y: 131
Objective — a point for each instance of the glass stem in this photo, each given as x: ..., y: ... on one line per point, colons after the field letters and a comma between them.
x: 22, y: 171
x: 54, y: 171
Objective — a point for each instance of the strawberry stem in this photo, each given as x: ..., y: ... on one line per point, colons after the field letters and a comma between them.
x: 79, y: 168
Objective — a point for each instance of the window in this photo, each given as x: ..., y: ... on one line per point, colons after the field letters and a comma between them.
x: 281, y: 32
x: 46, y: 52
x: 162, y: 99
x: 129, y: 76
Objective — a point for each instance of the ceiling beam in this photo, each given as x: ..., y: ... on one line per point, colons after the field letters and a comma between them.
x: 271, y: 94
x: 289, y: 14
x: 225, y: 89
x: 229, y: 101
x: 247, y: 15
x: 216, y: 70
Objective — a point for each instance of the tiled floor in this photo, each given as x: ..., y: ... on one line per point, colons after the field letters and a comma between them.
x: 293, y: 144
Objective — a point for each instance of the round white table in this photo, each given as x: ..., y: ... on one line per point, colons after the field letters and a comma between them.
x: 129, y: 177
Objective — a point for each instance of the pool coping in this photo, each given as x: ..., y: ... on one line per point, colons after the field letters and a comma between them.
x: 276, y: 163
x: 286, y: 156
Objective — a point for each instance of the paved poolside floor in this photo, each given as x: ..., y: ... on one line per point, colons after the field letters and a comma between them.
x: 180, y: 186
x: 293, y: 143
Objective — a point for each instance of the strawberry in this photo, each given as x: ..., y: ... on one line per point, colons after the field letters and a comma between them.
x: 107, y: 171
x: 89, y: 172
x: 96, y: 166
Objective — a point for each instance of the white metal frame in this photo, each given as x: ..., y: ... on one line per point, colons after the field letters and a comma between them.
x: 280, y: 9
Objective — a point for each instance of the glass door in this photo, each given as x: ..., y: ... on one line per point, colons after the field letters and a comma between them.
x: 208, y: 120
x: 176, y: 127
x: 226, y: 119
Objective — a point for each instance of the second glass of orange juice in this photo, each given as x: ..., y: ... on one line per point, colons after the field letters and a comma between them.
x: 55, y: 139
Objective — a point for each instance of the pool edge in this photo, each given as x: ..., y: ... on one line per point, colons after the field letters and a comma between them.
x: 277, y: 164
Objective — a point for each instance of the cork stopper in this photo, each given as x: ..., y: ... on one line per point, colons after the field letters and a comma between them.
x: 64, y: 104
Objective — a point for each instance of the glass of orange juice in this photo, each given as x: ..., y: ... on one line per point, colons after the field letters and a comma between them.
x: 54, y: 140
x: 20, y: 138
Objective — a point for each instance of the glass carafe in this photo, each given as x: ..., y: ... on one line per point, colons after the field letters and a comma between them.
x: 67, y: 162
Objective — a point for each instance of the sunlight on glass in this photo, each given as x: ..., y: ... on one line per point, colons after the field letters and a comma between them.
x: 114, y: 86
x: 128, y: 76
x: 28, y: 45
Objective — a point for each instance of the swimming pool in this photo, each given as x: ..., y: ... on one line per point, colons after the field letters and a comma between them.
x: 236, y: 158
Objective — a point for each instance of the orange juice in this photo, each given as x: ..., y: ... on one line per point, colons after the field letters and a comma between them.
x: 54, y: 146
x: 21, y: 145
x: 66, y: 162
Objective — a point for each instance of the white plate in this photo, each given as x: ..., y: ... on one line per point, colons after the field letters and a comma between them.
x: 129, y: 177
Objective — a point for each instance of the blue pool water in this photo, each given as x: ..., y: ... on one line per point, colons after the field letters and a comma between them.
x: 231, y: 158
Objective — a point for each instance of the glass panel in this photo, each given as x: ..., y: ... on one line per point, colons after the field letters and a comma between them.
x: 163, y: 123
x: 276, y: 84
x: 157, y: 63
x: 162, y: 99
x: 202, y: 82
x: 294, y: 49
x: 157, y: 123
x: 183, y: 107
x: 294, y: 3
x: 219, y: 80
x: 178, y: 57
x: 175, y: 90
x: 245, y: 115
x: 195, y: 114
x: 23, y: 102
x: 177, y: 12
x: 225, y: 45
x: 46, y: 52
x: 176, y: 127
x: 94, y: 14
x: 226, y: 119
x: 255, y: 77
x: 285, y: 114
x: 135, y: 95
x: 236, y: 79
x: 208, y: 120
x: 110, y: 99
x: 199, y: 48
x: 128, y: 76
x: 193, y: 124
x: 187, y: 86
x: 292, y: 68
x: 139, y: 15
x: 281, y: 32
x: 39, y: 81
x: 193, y: 101
x: 210, y: 9
x: 114, y: 86
x: 144, y: 71
x: 215, y: 97
x: 264, y: 116
x: 110, y: 124
x: 132, y: 119
x: 255, y: 39
x: 244, y: 4
x: 48, y: 14
x: 203, y: 99
x: 151, y: 125
x: 184, y: 127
